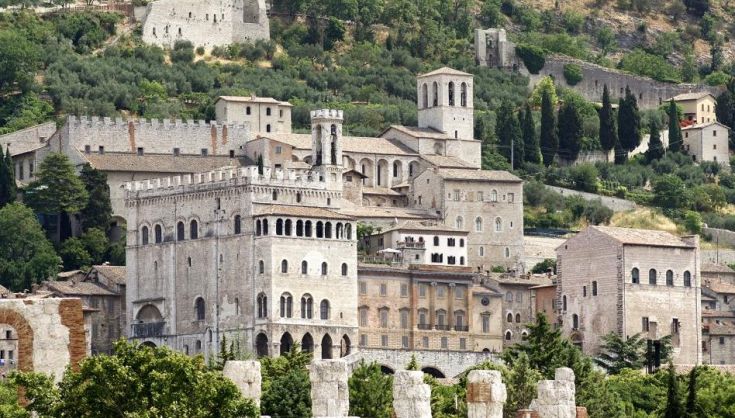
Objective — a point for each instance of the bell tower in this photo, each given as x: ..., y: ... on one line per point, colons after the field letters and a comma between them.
x: 326, y: 144
x: 445, y: 102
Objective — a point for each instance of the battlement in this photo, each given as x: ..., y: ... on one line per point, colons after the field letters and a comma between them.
x: 225, y: 177
x: 118, y: 122
x: 327, y: 114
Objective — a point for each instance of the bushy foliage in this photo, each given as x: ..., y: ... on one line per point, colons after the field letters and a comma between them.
x: 286, y: 386
x: 534, y: 57
x: 649, y: 65
x: 371, y: 393
x: 572, y: 74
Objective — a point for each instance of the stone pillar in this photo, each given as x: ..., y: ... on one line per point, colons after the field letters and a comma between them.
x: 411, y: 396
x: 556, y: 398
x: 330, y: 395
x: 246, y: 376
x: 485, y: 394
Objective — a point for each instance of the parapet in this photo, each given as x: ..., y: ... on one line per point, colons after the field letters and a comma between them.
x: 327, y: 114
x: 118, y: 122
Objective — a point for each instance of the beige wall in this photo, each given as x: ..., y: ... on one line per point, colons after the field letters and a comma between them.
x: 258, y: 119
x: 699, y: 111
x: 708, y: 143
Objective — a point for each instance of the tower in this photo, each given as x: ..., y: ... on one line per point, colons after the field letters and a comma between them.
x: 445, y: 102
x: 326, y: 144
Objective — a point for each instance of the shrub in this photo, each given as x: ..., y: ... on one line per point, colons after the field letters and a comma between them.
x: 717, y: 78
x: 200, y: 51
x: 544, y: 266
x: 573, y: 74
x: 183, y: 52
x: 533, y: 57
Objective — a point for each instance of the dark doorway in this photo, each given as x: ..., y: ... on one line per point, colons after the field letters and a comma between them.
x: 327, y: 347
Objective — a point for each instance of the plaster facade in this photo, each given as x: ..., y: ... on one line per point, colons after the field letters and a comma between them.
x: 708, y: 142
x: 697, y: 108
x: 261, y: 114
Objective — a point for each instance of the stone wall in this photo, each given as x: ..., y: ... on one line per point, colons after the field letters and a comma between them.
x: 27, y: 139
x: 450, y: 363
x: 330, y: 394
x: 723, y: 236
x: 411, y: 396
x: 615, y: 203
x: 246, y: 376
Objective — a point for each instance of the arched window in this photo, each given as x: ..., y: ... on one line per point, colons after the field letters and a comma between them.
x: 262, y: 306
x: 459, y: 222
x: 284, y: 266
x: 509, y: 318
x: 498, y: 225
x: 261, y: 267
x: 286, y: 305
x: 194, y: 229
x: 508, y: 335
x: 199, y: 306
x: 424, y: 95
x: 328, y: 230
x: 478, y: 224
x: 320, y: 229
x: 307, y: 229
x: 144, y: 235
x: 507, y: 252
x: 395, y: 169
x: 238, y: 224
x: 304, y: 267
x: 348, y: 231
x: 287, y: 227
x: 158, y: 232
x: 635, y: 275
x: 265, y: 226
x: 461, y: 261
x: 180, y: 234
x: 274, y: 195
x: 307, y: 306
x: 298, y: 197
x: 344, y: 269
x: 461, y: 243
x: 518, y: 318
x: 652, y: 276
x: 463, y: 95
x: 669, y: 278
x: 435, y: 95
x: 279, y: 226
x: 687, y: 279
x: 481, y: 251
x: 575, y: 321
x: 324, y: 310
x: 237, y: 306
x: 436, y: 241
x: 564, y: 302
x: 509, y: 296
x: 299, y: 228
x: 324, y: 269
x: 258, y: 229
x: 450, y: 92
x: 494, y: 196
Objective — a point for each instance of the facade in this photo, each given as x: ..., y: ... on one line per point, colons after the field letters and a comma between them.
x: 206, y: 23
x: 494, y: 50
x: 707, y: 142
x: 518, y: 303
x: 631, y: 281
x: 420, y: 243
x: 543, y: 300
x: 261, y: 114
x: 698, y: 108
x: 424, y: 307
x: 718, y: 337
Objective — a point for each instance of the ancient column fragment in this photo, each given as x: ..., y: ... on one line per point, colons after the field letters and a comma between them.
x: 486, y: 394
x: 411, y: 396
x: 556, y: 398
x: 330, y: 394
x: 246, y: 376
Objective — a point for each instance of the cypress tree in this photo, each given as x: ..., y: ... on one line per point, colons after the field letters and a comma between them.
x: 691, y: 406
x: 629, y: 123
x: 98, y: 212
x: 673, y: 403
x: 549, y: 140
x: 7, y: 178
x: 532, y: 152
x: 655, y: 146
x: 675, y: 138
x: 508, y: 132
x: 608, y: 132
x: 570, y: 132
x: 10, y: 172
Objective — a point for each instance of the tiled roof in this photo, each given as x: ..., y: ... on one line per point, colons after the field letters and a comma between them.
x: 721, y: 287
x: 380, y: 191
x: 385, y: 212
x: 692, y: 96
x: 703, y: 125
x: 716, y: 268
x: 717, y: 314
x: 116, y: 274
x: 252, y: 99
x: 476, y: 175
x: 357, y: 144
x: 67, y: 288
x: 160, y: 163
x: 721, y: 329
x: 417, y: 132
x: 445, y: 162
x: 424, y: 226
x: 642, y: 236
x: 444, y: 70
x: 305, y: 211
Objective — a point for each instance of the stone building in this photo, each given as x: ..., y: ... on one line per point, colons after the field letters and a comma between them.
x: 631, y: 281
x: 493, y: 49
x: 697, y: 108
x: 543, y: 300
x: 206, y: 23
x: 718, y: 337
x: 427, y: 307
x: 261, y: 114
x: 708, y: 142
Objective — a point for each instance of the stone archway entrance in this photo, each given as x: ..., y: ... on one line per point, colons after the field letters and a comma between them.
x: 326, y: 347
x: 261, y: 345
x: 307, y: 343
x: 25, y: 337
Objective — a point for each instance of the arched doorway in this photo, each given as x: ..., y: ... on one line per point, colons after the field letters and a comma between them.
x: 307, y: 343
x: 386, y: 370
x: 149, y: 344
x: 327, y: 347
x: 286, y: 343
x: 433, y: 372
x: 344, y: 347
x: 261, y: 345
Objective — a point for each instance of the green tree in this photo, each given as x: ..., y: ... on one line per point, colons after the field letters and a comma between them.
x: 549, y: 138
x: 569, y: 132
x: 688, y: 67
x: 572, y: 74
x: 531, y: 149
x: 183, y: 52
x: 413, y: 364
x: 26, y: 256
x: 521, y: 383
x: 655, y: 147
x: 543, y: 266
x: 508, y: 132
x: 691, y: 403
x: 7, y: 179
x: 490, y: 15
x: 544, y: 86
x: 334, y: 33
x: 74, y: 254
x: 98, y: 210
x: 676, y: 139
x: 286, y: 386
x: 95, y: 242
x: 673, y: 401
x: 371, y: 392
x: 618, y: 353
x: 19, y: 61
x: 534, y: 57
x: 629, y: 121
x: 608, y: 131
x: 669, y: 191
x: 544, y: 347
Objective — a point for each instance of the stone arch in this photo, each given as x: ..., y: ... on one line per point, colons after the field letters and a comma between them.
x: 397, y: 172
x: 149, y: 313
x: 286, y: 343
x: 438, y: 148
x: 433, y: 371
x: 413, y: 169
x: 424, y: 96
x: 307, y: 343
x: 149, y: 344
x: 345, y: 347
x: 386, y: 369
x: 261, y: 345
x: 326, y: 347
x: 25, y: 338
x: 348, y: 163
x: 381, y: 174
x: 366, y: 167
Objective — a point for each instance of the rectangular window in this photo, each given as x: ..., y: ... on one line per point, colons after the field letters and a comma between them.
x: 21, y: 172
x: 645, y: 325
x: 404, y: 290
x: 384, y: 318
x: 279, y: 149
x: 384, y: 341
x: 594, y: 288
x: 363, y: 288
x: 30, y: 169
x: 511, y: 197
x: 10, y: 354
x: 714, y: 133
x: 425, y: 342
x: 675, y: 326
x: 456, y: 195
x: 422, y: 290
x: 87, y: 149
x: 383, y: 289
x: 177, y: 152
x: 463, y: 343
x: 584, y: 291
x: 441, y: 319
x: 363, y: 317
x: 445, y: 342
x: 486, y: 324
x: 480, y: 196
x: 205, y: 152
x: 363, y: 340
x: 459, y: 292
x: 440, y: 291
x: 404, y: 319
x: 140, y: 151
x: 404, y: 341
x: 232, y: 153
x: 8, y: 335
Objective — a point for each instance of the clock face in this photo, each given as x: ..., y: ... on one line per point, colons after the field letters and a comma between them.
x: 485, y: 301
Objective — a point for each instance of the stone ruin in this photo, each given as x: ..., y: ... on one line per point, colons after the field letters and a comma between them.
x: 486, y: 393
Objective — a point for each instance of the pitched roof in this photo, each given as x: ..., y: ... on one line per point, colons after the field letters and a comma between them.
x: 380, y: 191
x: 704, y: 125
x: 445, y: 71
x: 252, y: 99
x: 642, y: 236
x: 423, y: 226
x: 161, y: 163
x: 66, y: 288
x: 715, y: 268
x: 357, y: 144
x: 692, y: 96
x: 116, y: 274
x: 305, y: 211
x: 385, y: 212
x: 721, y: 287
x: 417, y: 132
x: 476, y: 175
x: 445, y: 162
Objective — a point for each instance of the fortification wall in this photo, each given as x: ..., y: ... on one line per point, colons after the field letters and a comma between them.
x: 615, y: 203
x: 27, y: 139
x: 154, y: 136
x: 650, y: 93
x: 206, y: 23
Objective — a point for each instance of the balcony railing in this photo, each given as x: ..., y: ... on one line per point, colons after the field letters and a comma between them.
x: 148, y: 330
x: 464, y: 328
x: 443, y: 327
x: 409, y: 244
x: 424, y: 326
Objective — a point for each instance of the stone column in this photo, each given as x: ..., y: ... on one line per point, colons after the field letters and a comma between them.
x: 246, y: 376
x: 556, y: 398
x: 411, y: 396
x: 485, y: 394
x: 330, y: 395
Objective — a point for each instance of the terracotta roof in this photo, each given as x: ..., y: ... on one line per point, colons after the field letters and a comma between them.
x: 445, y: 162
x: 642, y: 236
x: 718, y: 314
x: 721, y: 329
x: 476, y: 175
x: 305, y: 211
x: 721, y: 287
x: 716, y: 268
x: 66, y: 288
x: 352, y: 171
x: 385, y: 212
x: 425, y: 226
x: 380, y: 191
x: 417, y: 132
x: 357, y: 144
x: 116, y: 274
x: 160, y: 163
x: 444, y: 70
x: 703, y: 125
x: 252, y: 99
x: 692, y: 96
